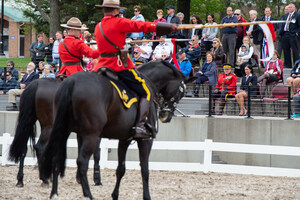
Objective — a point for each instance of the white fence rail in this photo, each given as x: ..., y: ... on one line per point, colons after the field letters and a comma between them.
x: 208, y: 146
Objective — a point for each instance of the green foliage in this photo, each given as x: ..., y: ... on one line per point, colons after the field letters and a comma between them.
x: 20, y: 63
x: 204, y: 7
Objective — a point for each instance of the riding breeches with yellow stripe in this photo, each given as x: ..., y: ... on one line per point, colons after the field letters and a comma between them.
x: 135, y: 82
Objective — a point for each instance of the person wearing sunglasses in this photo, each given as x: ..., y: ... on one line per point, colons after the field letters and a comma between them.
x: 218, y: 51
x: 11, y: 67
x: 137, y: 59
x: 11, y: 82
x: 193, y: 51
x: 137, y: 17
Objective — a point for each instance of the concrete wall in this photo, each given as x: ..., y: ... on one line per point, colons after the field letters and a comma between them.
x: 267, y: 131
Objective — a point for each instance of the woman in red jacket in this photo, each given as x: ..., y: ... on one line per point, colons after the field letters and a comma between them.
x: 273, y: 73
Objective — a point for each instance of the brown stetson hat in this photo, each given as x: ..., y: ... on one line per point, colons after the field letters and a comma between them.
x: 111, y: 4
x: 74, y: 23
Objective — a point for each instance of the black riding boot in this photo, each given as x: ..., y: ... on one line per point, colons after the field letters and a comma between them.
x: 140, y: 131
x: 221, y: 107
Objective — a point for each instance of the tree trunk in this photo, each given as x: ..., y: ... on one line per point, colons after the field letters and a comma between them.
x: 55, y: 17
x: 184, y: 7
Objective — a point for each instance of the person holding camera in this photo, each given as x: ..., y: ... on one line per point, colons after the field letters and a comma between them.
x: 37, y: 50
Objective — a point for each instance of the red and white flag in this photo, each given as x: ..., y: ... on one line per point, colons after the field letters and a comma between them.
x: 268, y: 42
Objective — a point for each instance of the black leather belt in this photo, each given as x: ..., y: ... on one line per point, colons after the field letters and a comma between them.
x: 71, y: 63
x: 109, y: 54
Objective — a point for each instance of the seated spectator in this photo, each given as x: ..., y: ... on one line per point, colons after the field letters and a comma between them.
x: 11, y: 82
x: 184, y: 64
x: 244, y: 58
x: 162, y: 46
x: 146, y: 49
x: 294, y: 79
x: 27, y: 79
x: 47, y: 72
x: 208, y: 34
x: 225, y: 88
x: 296, y: 100
x: 272, y: 73
x: 218, y: 51
x: 206, y: 73
x: 165, y: 56
x: 11, y: 67
x: 193, y: 51
x: 250, y: 80
x: 41, y: 67
x: 137, y: 59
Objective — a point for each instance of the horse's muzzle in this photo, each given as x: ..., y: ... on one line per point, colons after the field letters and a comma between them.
x: 165, y: 116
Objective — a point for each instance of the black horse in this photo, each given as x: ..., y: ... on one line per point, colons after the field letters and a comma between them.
x: 90, y: 106
x: 37, y: 103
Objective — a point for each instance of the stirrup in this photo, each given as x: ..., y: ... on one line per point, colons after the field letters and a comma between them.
x: 140, y: 133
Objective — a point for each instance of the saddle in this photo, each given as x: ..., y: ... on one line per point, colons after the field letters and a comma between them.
x: 129, y: 97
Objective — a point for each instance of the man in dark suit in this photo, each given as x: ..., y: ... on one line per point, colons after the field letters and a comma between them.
x: 255, y: 33
x: 26, y: 80
x: 290, y: 32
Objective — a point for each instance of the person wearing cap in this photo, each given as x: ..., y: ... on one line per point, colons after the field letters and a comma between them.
x: 122, y: 13
x: 115, y: 28
x: 225, y: 88
x: 72, y: 48
x: 184, y: 64
x: 173, y: 19
x: 137, y: 59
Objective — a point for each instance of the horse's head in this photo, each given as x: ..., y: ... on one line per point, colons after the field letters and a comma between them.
x: 170, y: 87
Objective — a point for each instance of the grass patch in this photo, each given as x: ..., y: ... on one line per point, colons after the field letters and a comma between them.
x: 20, y: 63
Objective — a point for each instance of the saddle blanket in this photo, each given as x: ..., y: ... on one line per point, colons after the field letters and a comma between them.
x: 126, y: 95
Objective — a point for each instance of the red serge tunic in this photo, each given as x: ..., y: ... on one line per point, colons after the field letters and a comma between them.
x: 77, y: 48
x: 227, y: 82
x: 115, y: 29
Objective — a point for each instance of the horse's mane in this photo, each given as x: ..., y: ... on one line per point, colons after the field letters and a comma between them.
x: 175, y: 71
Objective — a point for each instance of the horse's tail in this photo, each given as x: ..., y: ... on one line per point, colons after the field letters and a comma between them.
x: 54, y: 155
x: 26, y: 123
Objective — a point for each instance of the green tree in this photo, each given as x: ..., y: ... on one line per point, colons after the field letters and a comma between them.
x: 204, y: 7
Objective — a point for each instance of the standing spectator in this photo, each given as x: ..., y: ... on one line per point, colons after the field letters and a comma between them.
x: 184, y: 64
x: 122, y: 13
x: 47, y: 72
x: 294, y: 79
x: 289, y: 35
x: 255, y: 33
x: 11, y: 67
x: 146, y: 49
x: 182, y: 32
x: 37, y: 50
x: 137, y: 59
x: 161, y: 47
x: 241, y: 32
x: 218, y: 51
x: 278, y: 36
x: 206, y: 73
x: 48, y: 50
x: 173, y: 19
x: 208, y: 34
x: 273, y: 73
x: 65, y: 32
x: 55, y: 54
x: 249, y: 80
x: 137, y: 17
x: 268, y: 16
x: 159, y: 14
x: 28, y: 78
x: 11, y: 82
x: 193, y: 51
x: 225, y: 88
x: 229, y: 36
x: 195, y: 20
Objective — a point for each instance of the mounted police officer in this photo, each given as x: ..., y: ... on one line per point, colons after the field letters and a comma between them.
x: 72, y: 48
x: 110, y: 35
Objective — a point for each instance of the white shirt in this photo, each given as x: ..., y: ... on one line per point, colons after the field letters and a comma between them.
x: 148, y: 50
x: 161, y: 47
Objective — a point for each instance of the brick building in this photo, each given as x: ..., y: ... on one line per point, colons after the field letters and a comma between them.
x: 17, y: 33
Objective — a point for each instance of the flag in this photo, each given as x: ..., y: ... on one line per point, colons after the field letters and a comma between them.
x: 171, y: 43
x: 268, y: 42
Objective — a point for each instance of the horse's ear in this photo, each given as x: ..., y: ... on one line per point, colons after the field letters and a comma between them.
x: 191, y: 79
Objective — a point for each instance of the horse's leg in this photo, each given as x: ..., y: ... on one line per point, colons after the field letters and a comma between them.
x: 122, y: 150
x: 79, y: 143
x: 88, y: 147
x: 20, y: 172
x: 144, y: 152
x: 97, y: 176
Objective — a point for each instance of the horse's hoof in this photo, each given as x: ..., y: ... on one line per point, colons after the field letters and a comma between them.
x: 54, y: 196
x: 78, y: 181
x: 98, y: 183
x: 20, y: 184
x: 45, y: 185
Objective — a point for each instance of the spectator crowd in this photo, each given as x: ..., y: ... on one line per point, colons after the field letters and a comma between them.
x: 236, y: 50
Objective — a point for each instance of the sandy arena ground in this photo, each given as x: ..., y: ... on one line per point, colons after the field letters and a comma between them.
x: 163, y: 185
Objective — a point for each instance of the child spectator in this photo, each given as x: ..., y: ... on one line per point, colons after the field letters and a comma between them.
x: 243, y: 51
